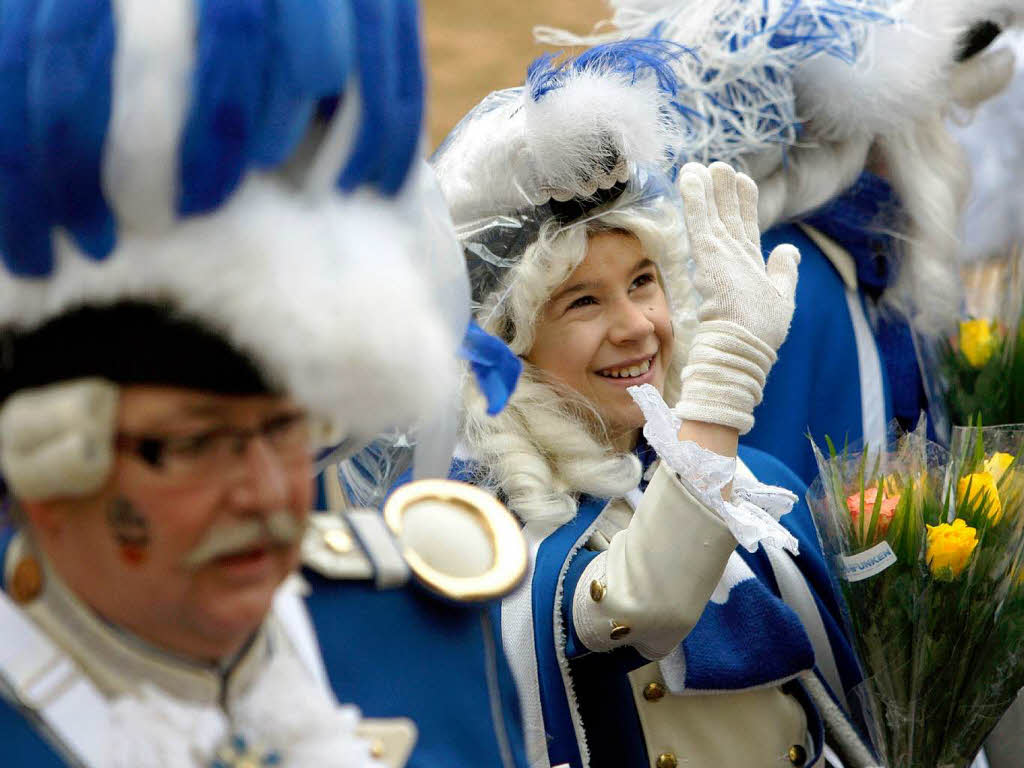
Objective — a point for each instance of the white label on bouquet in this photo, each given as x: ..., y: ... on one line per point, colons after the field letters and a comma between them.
x: 866, y: 564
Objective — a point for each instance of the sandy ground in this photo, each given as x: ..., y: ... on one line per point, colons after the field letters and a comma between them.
x: 477, y: 46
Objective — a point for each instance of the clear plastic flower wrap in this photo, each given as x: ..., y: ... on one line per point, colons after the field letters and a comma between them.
x: 926, y: 549
x: 977, y: 372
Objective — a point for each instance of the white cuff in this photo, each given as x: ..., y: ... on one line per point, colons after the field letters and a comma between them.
x: 753, y: 511
x: 724, y: 376
x: 650, y: 587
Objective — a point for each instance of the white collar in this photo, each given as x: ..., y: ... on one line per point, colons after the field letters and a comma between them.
x: 836, y: 254
x: 120, y: 663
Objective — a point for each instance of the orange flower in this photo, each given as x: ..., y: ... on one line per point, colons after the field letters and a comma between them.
x: 885, y: 510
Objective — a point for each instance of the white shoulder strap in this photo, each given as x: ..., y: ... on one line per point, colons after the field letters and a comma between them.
x: 49, y: 683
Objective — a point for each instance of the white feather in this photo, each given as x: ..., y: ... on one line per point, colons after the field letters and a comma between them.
x: 594, y: 117
x: 152, y: 69
x: 901, y: 73
x: 513, y: 152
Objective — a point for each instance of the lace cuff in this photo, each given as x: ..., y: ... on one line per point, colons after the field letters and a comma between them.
x: 752, y: 513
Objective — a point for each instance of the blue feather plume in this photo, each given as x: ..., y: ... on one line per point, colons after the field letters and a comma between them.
x: 69, y: 96
x: 391, y: 89
x: 264, y: 69
x: 311, y: 55
x: 24, y: 208
x: 228, y: 90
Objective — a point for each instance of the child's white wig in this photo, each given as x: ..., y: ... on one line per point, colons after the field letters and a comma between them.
x: 549, y: 444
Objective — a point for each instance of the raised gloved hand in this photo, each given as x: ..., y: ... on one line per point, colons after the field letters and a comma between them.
x: 747, y: 303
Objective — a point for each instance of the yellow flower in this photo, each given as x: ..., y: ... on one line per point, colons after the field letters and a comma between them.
x: 976, y: 487
x: 997, y: 464
x: 977, y: 341
x: 950, y: 546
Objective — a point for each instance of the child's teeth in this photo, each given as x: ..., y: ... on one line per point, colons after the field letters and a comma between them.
x: 631, y: 372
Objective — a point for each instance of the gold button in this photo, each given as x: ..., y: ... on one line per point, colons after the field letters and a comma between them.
x: 597, y: 591
x: 26, y: 581
x: 377, y: 749
x: 654, y: 691
x: 619, y: 630
x: 666, y: 760
x: 338, y: 541
x: 797, y: 755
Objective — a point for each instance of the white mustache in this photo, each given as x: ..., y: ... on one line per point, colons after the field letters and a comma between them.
x: 276, y: 529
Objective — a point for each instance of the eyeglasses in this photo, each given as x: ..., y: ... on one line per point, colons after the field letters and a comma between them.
x: 215, y: 450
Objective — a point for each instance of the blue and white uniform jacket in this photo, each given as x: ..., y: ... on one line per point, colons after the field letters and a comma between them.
x: 845, y: 369
x: 606, y: 684
x: 427, y: 674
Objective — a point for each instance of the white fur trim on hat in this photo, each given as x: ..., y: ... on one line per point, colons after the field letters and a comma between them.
x: 326, y: 296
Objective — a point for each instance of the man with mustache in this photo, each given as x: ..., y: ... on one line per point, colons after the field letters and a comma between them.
x: 217, y: 257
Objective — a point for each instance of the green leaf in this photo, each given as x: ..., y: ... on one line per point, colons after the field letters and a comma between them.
x: 875, y: 512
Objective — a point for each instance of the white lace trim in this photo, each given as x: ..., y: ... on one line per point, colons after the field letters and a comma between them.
x: 284, y: 711
x: 752, y: 514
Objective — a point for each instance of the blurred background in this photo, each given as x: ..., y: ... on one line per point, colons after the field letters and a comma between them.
x: 478, y: 46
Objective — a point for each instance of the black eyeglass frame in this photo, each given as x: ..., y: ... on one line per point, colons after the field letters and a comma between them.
x: 152, y: 449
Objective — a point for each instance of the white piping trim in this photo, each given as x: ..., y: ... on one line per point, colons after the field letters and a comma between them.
x: 796, y: 594
x: 560, y: 636
x: 872, y: 392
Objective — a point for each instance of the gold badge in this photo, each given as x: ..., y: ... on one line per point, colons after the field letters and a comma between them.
x: 507, y: 556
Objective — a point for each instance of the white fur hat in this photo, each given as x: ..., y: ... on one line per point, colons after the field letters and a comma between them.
x: 254, y: 170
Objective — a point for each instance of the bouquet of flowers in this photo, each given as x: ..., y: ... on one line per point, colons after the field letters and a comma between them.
x: 978, y: 372
x: 927, y: 547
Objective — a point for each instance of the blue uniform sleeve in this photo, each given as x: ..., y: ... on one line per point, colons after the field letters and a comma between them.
x: 23, y: 746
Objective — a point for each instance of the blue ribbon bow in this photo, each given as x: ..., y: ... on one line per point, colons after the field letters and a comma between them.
x: 494, y: 365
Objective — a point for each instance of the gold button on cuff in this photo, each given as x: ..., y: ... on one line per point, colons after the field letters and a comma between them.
x: 597, y: 591
x: 377, y: 749
x: 619, y: 630
x: 666, y: 760
x: 654, y: 691
x: 797, y: 755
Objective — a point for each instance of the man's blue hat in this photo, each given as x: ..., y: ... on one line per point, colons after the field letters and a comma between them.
x: 248, y: 166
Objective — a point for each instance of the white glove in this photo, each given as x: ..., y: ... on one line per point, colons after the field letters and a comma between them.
x: 747, y: 304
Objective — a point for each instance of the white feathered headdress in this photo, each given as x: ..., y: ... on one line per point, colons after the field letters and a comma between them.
x: 797, y: 92
x: 849, y: 67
